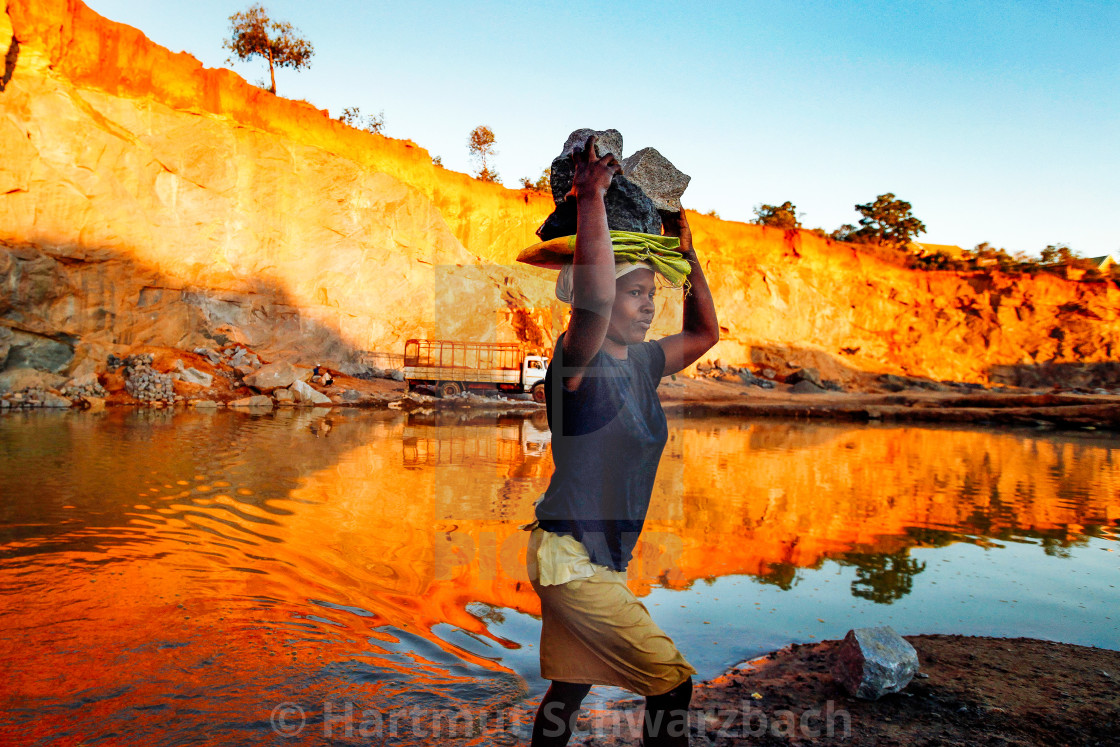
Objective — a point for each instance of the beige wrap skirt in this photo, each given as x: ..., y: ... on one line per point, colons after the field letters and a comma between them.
x: 595, y: 631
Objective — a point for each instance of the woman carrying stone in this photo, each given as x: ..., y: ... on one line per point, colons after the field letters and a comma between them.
x: 608, y: 434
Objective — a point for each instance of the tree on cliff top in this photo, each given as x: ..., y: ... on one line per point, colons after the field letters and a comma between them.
x: 480, y: 144
x: 886, y: 221
x: 254, y: 34
x: 542, y: 184
x: 777, y: 216
x: 1058, y: 254
x: 374, y: 123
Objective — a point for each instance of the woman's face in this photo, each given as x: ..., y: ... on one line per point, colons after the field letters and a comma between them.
x: 633, y: 307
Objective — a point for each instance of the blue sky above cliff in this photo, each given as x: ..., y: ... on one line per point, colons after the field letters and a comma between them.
x: 998, y: 121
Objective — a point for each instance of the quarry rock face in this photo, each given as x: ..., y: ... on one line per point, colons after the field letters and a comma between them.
x: 124, y: 220
x: 146, y: 200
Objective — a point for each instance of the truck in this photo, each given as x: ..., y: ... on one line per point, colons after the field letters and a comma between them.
x: 451, y: 367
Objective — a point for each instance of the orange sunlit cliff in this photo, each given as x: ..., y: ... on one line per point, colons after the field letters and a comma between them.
x: 145, y: 199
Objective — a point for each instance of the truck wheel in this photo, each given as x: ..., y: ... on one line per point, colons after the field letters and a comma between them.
x: 538, y: 392
x: 449, y: 389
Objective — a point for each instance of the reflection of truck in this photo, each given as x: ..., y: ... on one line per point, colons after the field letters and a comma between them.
x: 484, y: 440
x: 452, y: 367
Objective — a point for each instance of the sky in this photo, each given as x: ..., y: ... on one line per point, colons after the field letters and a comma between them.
x: 998, y: 121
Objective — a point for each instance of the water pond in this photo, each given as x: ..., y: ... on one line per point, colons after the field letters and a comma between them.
x: 309, y: 576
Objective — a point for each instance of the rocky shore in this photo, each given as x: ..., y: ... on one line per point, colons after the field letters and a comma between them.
x: 236, y: 377
x: 997, y: 407
x: 970, y: 691
x: 232, y: 376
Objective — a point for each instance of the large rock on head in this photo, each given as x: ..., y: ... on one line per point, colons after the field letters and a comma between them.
x: 872, y: 662
x: 628, y: 207
x: 662, y: 182
x: 563, y: 170
x: 606, y: 141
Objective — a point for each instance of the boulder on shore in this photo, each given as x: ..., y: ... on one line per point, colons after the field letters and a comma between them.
x: 306, y: 395
x: 256, y: 401
x: 193, y: 375
x: 50, y: 399
x: 272, y: 376
x: 806, y: 374
x: 872, y: 662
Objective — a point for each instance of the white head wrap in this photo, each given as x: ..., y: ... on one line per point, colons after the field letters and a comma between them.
x: 564, y: 281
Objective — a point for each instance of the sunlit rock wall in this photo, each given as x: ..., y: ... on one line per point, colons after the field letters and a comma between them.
x: 793, y: 296
x: 146, y: 199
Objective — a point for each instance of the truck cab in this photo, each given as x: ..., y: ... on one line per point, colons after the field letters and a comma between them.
x: 533, y: 369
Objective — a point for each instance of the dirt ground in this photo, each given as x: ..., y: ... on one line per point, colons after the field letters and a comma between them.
x: 706, y: 397
x: 970, y: 691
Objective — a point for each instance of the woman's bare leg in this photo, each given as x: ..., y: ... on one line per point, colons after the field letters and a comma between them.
x: 556, y: 715
x: 666, y: 717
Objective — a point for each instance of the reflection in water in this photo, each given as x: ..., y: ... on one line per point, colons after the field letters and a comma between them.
x: 883, y: 577
x: 450, y: 438
x: 177, y: 571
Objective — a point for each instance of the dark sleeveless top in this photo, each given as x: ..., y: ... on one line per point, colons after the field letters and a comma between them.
x: 607, y: 439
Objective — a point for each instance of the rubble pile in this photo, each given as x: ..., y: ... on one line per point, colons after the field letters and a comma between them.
x: 33, y: 397
x: 142, y: 381
x: 85, y: 387
x: 243, y: 361
x: 369, y: 373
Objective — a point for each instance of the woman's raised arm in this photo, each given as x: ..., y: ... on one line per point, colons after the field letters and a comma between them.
x: 593, y: 263
x: 700, y: 327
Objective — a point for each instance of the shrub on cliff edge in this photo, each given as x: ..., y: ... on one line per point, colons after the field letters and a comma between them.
x: 777, y: 216
x: 887, y: 221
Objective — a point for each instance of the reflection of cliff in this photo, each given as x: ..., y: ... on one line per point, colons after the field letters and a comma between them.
x: 728, y: 501
x: 264, y: 220
x: 767, y: 499
x: 185, y: 542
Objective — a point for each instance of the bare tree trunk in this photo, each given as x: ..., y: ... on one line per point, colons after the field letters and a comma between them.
x: 271, y: 73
